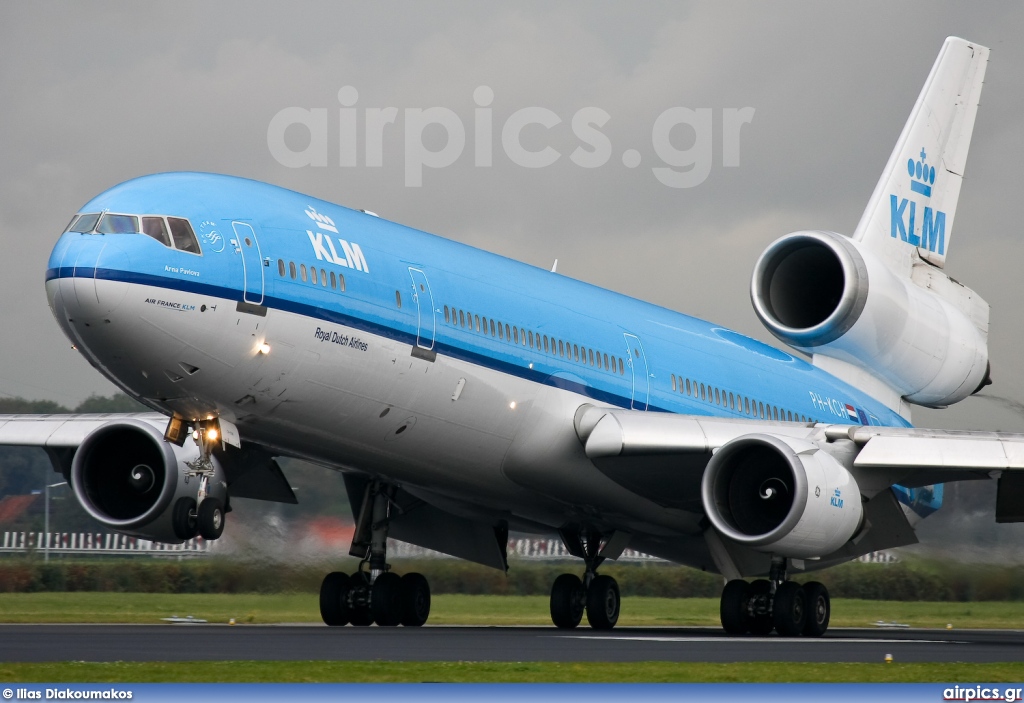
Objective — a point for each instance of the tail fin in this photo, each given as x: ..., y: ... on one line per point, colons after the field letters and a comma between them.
x: 913, y: 205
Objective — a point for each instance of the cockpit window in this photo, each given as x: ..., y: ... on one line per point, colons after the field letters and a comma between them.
x: 118, y: 224
x: 84, y: 223
x: 184, y: 237
x: 155, y: 228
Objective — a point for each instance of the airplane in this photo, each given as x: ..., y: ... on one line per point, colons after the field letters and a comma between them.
x: 464, y: 395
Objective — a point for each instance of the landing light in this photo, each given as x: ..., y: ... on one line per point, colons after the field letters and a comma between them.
x: 264, y: 348
x: 211, y: 434
x: 195, y: 435
x: 512, y: 405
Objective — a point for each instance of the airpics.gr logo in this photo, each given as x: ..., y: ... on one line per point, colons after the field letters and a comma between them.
x: 323, y: 245
x: 903, y: 212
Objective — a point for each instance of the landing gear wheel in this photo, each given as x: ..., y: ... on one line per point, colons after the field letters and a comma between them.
x: 733, y: 607
x: 386, y: 600
x: 415, y: 597
x: 334, y: 599
x: 603, y: 603
x: 183, y: 519
x: 789, y: 612
x: 211, y: 518
x: 761, y: 623
x: 359, y: 611
x: 360, y: 617
x: 819, y: 609
x: 568, y: 600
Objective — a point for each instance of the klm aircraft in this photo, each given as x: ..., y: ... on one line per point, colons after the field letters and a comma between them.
x: 463, y: 395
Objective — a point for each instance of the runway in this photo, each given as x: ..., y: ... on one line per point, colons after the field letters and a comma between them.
x: 105, y: 643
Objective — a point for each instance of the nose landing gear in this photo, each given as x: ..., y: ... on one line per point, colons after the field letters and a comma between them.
x: 775, y: 604
x: 205, y: 514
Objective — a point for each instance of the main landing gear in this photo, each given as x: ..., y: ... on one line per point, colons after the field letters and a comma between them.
x: 374, y: 594
x: 775, y: 604
x: 597, y: 596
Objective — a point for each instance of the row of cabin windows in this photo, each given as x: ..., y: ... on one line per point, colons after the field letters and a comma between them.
x: 313, y: 275
x: 736, y: 402
x: 534, y: 340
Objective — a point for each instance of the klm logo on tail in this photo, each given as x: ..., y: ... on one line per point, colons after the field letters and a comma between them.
x: 931, y: 234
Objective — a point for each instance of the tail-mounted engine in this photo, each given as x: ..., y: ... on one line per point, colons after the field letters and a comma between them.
x: 781, y: 495
x: 126, y: 476
x: 925, y: 336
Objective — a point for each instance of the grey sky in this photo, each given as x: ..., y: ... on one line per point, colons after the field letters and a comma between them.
x: 94, y: 94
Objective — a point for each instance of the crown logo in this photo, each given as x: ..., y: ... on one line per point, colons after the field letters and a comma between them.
x: 922, y: 176
x: 322, y: 221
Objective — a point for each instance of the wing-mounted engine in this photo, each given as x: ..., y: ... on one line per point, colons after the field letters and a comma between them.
x: 924, y: 336
x: 126, y: 476
x: 781, y: 495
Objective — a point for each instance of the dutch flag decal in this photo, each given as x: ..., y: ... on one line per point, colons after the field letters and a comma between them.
x: 852, y: 412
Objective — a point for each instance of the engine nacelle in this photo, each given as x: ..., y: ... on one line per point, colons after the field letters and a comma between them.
x: 126, y: 476
x: 780, y: 495
x: 823, y: 293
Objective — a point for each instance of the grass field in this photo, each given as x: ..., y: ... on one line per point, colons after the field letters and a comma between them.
x: 489, y: 672
x: 470, y: 610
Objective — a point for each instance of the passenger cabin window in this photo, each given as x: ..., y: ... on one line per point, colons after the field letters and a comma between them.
x: 280, y: 266
x: 291, y: 269
x: 155, y: 228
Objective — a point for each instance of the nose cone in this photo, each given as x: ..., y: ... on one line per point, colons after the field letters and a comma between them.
x: 80, y: 278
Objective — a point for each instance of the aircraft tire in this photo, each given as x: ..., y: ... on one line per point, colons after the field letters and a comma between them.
x: 415, y: 598
x: 183, y: 519
x: 819, y: 609
x: 789, y: 611
x: 210, y: 518
x: 761, y: 623
x: 386, y: 600
x: 603, y: 602
x: 360, y: 613
x: 733, y: 607
x: 334, y: 599
x: 568, y: 601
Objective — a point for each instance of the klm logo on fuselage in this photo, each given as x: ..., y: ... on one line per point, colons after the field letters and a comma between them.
x: 837, y: 499
x: 351, y: 255
x: 930, y: 234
